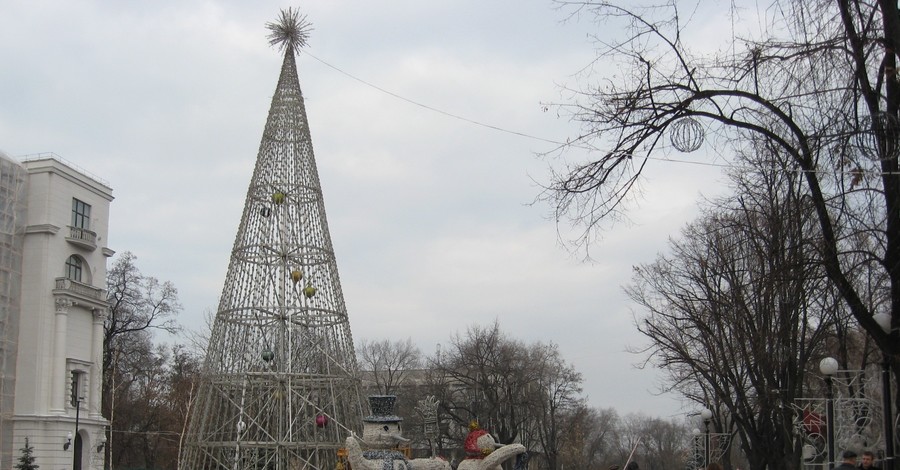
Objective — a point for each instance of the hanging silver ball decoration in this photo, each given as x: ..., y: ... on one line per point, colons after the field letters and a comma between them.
x: 878, y: 136
x: 268, y: 355
x: 686, y: 134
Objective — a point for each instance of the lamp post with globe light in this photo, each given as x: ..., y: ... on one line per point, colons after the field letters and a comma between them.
x: 884, y: 321
x: 828, y: 367
x: 706, y: 416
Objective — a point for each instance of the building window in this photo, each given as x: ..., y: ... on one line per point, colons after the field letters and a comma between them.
x: 77, y: 385
x: 81, y: 214
x: 73, y: 268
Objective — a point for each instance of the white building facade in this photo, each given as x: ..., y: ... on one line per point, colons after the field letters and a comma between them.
x: 52, y: 339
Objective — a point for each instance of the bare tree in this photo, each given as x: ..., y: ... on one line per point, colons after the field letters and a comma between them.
x: 138, y: 305
x: 592, y: 440
x: 664, y: 443
x: 814, y: 79
x: 155, y: 389
x: 558, y: 396
x: 390, y: 363
x: 516, y: 391
x: 483, y: 376
x: 138, y: 378
x: 183, y: 378
x: 739, y: 312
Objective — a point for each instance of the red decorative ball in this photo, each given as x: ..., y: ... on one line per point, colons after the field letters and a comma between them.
x: 321, y: 421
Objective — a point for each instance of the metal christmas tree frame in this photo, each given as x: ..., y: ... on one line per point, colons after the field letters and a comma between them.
x: 280, y: 384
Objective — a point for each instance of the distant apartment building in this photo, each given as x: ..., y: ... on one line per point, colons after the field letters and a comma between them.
x: 54, y: 220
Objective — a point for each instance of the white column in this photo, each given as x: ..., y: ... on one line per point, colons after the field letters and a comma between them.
x: 58, y: 381
x: 97, y: 359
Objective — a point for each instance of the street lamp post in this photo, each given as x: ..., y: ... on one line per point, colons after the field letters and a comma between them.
x: 706, y: 415
x: 76, y: 465
x: 828, y: 367
x: 76, y: 452
x: 884, y: 321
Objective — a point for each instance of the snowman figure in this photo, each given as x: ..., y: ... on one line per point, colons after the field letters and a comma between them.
x: 382, y: 436
x: 484, y: 453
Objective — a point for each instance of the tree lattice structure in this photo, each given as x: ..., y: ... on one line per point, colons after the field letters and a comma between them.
x: 279, y: 388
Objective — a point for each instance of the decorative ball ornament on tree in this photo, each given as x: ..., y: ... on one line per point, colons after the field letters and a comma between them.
x: 291, y: 31
x: 309, y: 291
x: 686, y: 134
x: 268, y: 355
x: 321, y: 421
x: 296, y: 275
x: 879, y: 136
x: 278, y: 197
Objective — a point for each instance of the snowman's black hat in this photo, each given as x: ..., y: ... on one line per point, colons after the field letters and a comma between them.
x: 382, y: 409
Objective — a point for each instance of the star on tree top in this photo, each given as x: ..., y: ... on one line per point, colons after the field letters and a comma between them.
x: 290, y: 30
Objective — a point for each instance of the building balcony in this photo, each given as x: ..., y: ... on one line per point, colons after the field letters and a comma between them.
x: 94, y: 295
x: 82, y: 237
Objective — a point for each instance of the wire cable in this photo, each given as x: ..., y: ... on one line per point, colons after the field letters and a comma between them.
x: 432, y: 108
x: 556, y: 142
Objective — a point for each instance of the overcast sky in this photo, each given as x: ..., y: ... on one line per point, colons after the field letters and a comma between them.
x: 431, y: 216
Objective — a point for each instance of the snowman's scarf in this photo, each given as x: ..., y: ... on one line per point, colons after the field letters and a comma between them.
x: 387, y: 458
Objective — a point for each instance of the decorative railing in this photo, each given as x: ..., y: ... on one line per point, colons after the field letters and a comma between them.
x: 82, y: 237
x: 53, y: 156
x: 82, y: 234
x: 80, y: 288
